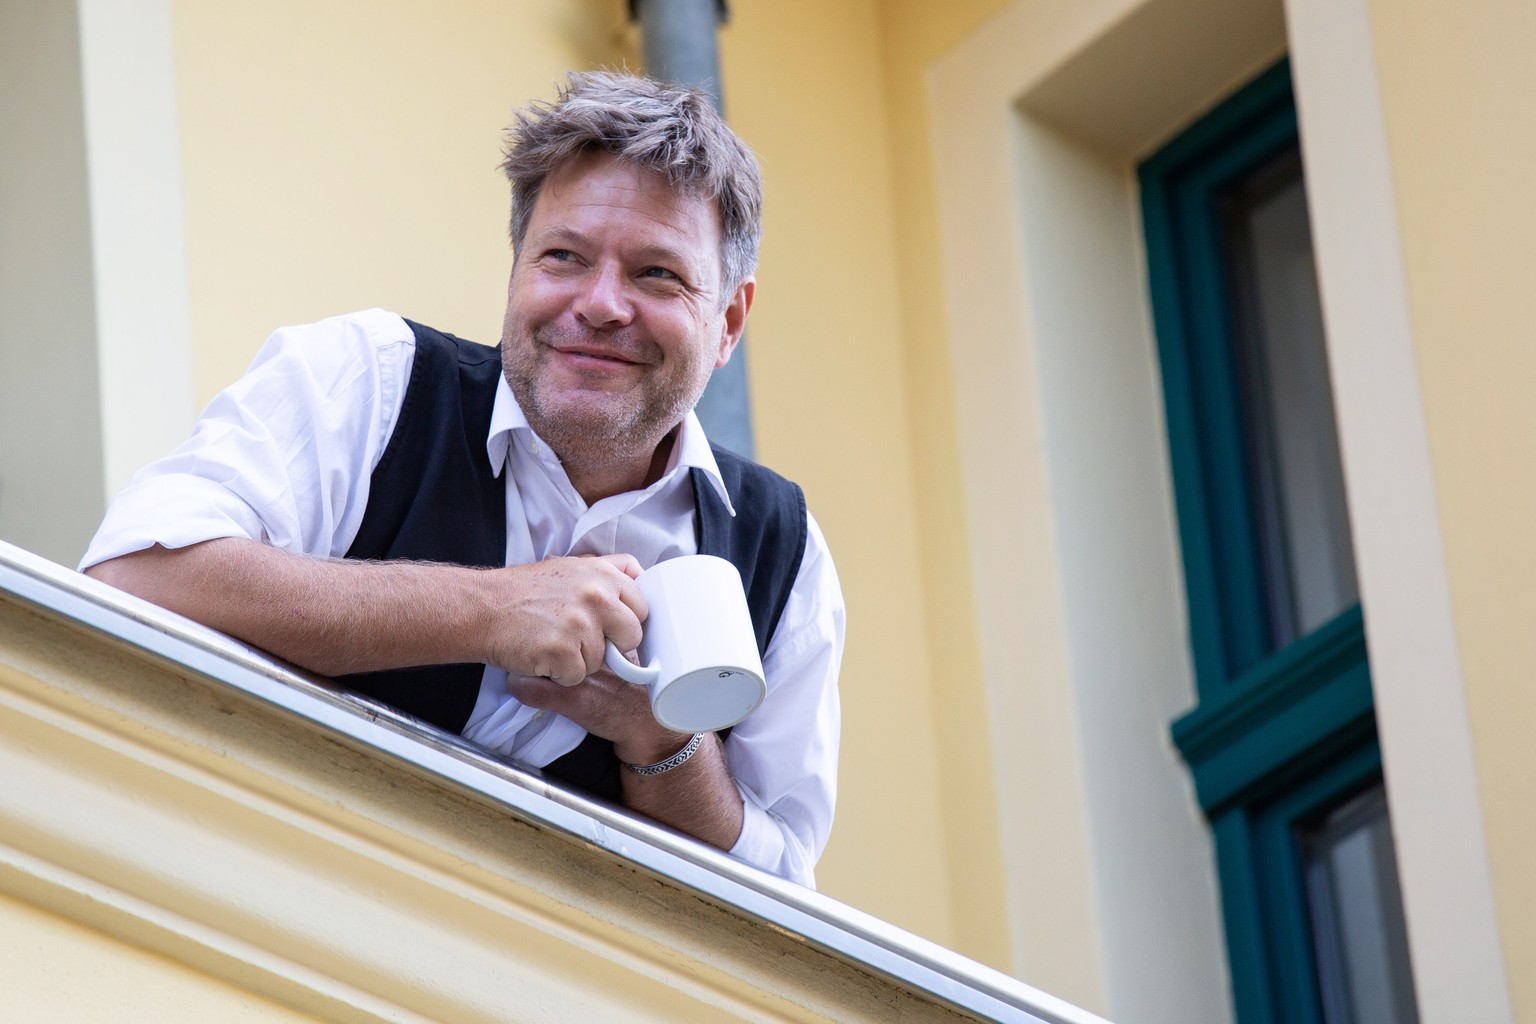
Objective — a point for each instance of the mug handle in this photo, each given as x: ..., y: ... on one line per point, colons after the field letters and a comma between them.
x: 643, y: 675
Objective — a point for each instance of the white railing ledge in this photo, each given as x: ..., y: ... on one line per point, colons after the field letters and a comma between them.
x: 857, y: 938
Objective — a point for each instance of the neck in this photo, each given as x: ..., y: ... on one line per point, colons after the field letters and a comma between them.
x: 597, y: 477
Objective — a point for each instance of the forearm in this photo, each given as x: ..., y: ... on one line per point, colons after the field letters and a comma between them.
x: 329, y: 616
x: 698, y: 797
x: 336, y: 617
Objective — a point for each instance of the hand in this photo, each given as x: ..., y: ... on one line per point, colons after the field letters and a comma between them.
x: 605, y: 706
x: 553, y: 618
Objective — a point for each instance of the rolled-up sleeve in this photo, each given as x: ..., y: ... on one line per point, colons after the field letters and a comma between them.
x: 283, y: 455
x: 784, y: 758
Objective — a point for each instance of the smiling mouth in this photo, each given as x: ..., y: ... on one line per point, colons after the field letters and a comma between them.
x: 591, y: 348
x: 599, y: 357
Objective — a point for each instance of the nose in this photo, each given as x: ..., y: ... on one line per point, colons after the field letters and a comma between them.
x: 604, y: 300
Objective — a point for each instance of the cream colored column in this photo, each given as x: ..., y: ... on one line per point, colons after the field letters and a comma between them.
x: 138, y: 245
x: 50, y: 420
x: 94, y: 338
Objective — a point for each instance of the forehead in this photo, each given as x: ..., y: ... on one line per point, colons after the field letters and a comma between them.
x: 596, y: 193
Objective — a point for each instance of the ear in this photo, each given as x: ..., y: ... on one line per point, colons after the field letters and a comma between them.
x: 735, y: 320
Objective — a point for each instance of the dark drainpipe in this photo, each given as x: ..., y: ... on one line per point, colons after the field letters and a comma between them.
x: 678, y: 44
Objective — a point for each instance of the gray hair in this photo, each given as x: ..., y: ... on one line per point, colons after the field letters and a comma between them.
x: 668, y: 130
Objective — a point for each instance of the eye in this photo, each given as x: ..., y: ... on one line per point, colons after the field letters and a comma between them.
x: 560, y: 255
x: 659, y: 274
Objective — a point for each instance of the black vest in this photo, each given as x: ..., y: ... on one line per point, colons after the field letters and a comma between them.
x: 433, y: 498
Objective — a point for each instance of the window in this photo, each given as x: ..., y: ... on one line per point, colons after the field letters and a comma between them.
x: 1282, y: 742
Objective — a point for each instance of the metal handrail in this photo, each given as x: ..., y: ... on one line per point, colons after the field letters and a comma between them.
x: 819, y: 920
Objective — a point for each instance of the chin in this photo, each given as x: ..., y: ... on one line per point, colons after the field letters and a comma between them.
x: 568, y: 424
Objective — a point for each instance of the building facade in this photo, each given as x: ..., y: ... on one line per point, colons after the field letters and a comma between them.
x: 964, y: 283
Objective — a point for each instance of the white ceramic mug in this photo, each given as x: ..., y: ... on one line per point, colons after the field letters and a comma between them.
x: 698, y: 655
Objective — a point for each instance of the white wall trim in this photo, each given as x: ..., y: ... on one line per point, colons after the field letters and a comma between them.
x: 1421, y: 710
x: 143, y: 306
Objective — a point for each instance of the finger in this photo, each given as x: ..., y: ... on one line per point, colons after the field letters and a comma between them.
x: 634, y: 599
x: 568, y: 669
x: 594, y: 652
x: 629, y: 565
x: 620, y: 621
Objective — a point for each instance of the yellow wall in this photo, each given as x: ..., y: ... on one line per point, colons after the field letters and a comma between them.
x: 851, y: 278
x: 342, y: 155
x: 1457, y: 86
x: 913, y: 34
x: 830, y: 392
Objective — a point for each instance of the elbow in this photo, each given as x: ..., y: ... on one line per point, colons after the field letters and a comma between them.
x: 112, y: 572
x: 133, y: 573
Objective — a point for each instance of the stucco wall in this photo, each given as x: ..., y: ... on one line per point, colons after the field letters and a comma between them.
x: 913, y: 35
x: 829, y: 387
x: 1456, y: 87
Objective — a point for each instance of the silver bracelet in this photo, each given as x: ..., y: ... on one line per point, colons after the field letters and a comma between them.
x: 662, y: 767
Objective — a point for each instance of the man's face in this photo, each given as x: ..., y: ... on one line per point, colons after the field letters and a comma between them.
x: 614, y: 315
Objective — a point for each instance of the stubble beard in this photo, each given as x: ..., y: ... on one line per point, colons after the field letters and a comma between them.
x: 588, y: 429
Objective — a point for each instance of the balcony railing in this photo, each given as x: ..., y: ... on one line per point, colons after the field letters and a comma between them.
x: 180, y: 791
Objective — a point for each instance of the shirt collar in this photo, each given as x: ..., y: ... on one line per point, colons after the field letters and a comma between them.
x: 691, y: 450
x: 506, y: 416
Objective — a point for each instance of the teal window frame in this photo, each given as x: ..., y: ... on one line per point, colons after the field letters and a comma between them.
x: 1277, y: 735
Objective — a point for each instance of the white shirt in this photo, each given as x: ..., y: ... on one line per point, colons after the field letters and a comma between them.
x: 285, y: 456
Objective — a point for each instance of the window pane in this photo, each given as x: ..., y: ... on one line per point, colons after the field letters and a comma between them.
x: 1359, y: 938
x: 1297, y: 478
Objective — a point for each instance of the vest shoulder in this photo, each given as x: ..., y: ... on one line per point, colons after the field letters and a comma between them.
x: 440, y: 344
x: 741, y: 473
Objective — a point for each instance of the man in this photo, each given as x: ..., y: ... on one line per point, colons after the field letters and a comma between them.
x: 457, y: 534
